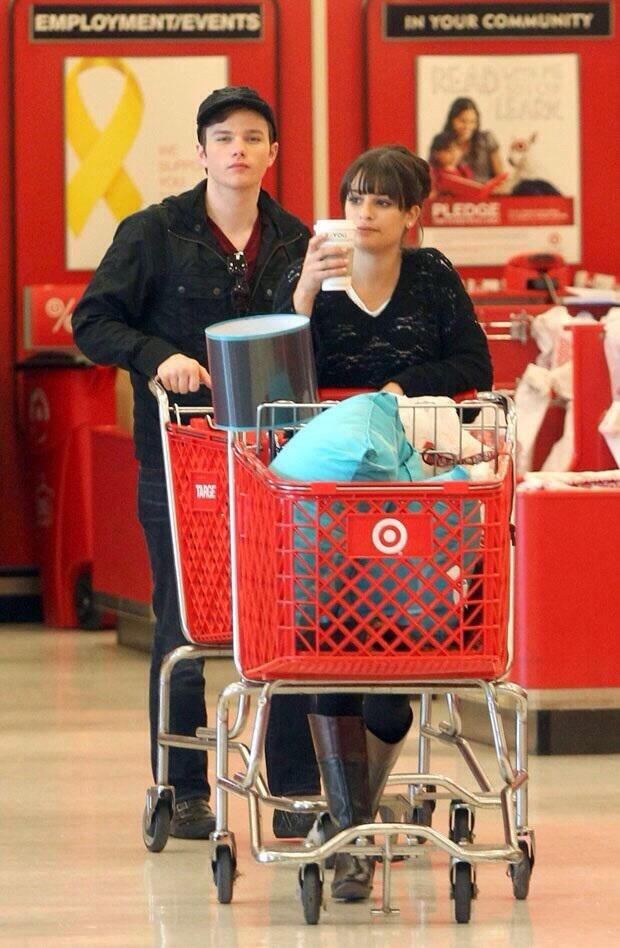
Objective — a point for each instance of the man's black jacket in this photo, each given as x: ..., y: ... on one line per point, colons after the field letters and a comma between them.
x: 162, y: 281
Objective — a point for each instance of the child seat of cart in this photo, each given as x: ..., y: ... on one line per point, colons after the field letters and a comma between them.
x: 393, y: 596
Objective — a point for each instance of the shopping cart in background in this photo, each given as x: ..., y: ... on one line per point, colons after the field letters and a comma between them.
x: 196, y: 472
x: 384, y: 587
x: 195, y: 462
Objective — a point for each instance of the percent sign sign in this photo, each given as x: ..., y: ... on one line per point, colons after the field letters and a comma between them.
x: 60, y: 311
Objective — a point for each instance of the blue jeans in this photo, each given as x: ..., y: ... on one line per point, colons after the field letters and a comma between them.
x: 187, y: 768
x: 292, y: 769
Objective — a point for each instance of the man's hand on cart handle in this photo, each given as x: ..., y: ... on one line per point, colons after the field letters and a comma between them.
x: 180, y: 374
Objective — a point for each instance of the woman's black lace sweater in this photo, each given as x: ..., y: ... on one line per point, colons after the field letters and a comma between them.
x: 427, y: 339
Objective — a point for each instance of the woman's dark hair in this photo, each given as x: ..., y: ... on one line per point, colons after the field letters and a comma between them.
x: 462, y: 105
x: 392, y: 170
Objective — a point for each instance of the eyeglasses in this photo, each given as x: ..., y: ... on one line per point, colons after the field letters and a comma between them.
x: 237, y: 266
x: 449, y: 458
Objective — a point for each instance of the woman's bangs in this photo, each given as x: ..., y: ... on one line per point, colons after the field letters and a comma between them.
x: 375, y: 179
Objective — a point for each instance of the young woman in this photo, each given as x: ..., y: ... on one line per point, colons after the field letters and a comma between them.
x: 480, y: 149
x: 407, y: 326
x: 407, y: 323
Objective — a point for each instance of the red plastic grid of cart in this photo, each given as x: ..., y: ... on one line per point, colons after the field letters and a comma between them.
x: 326, y: 591
x: 199, y: 485
x: 201, y: 531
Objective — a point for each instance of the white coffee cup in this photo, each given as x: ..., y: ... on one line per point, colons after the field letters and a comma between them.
x: 340, y: 232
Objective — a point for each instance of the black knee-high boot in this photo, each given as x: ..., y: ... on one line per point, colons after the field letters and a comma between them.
x: 353, y: 876
x: 341, y: 751
x: 340, y: 745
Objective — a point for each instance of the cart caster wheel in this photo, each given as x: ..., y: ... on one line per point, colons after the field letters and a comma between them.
x: 325, y: 830
x: 155, y: 832
x: 462, y: 825
x: 521, y: 872
x: 422, y: 815
x: 311, y: 885
x: 224, y: 874
x: 463, y: 891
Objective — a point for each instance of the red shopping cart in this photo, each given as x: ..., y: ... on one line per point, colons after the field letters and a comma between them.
x: 195, y: 462
x: 399, y: 587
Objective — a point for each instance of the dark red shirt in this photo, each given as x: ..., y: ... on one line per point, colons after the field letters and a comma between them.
x: 250, y: 251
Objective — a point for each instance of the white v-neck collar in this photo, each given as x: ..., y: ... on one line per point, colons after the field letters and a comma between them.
x: 362, y: 305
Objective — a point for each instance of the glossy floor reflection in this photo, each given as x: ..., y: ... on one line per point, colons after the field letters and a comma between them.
x: 74, y: 872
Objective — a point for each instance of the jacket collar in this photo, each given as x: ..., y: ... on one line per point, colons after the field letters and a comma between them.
x: 187, y: 214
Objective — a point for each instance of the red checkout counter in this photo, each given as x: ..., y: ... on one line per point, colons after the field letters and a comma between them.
x: 121, y: 578
x: 566, y: 608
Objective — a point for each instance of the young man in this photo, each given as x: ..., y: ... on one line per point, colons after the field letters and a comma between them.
x: 173, y: 269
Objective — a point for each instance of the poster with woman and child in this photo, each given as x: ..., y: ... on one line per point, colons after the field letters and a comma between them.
x: 502, y: 136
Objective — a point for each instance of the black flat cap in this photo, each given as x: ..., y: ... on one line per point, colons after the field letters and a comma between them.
x: 230, y: 97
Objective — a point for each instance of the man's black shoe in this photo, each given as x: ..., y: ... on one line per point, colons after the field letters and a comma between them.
x: 193, y: 819
x: 290, y: 825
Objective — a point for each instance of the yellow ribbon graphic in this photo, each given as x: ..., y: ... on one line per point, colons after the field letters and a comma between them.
x: 101, y: 151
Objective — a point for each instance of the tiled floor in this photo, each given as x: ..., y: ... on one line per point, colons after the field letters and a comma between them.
x: 74, y: 872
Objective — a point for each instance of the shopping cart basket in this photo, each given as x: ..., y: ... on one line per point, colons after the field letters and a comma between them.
x: 399, y: 587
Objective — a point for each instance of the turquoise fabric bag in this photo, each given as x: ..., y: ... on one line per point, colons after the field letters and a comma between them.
x: 362, y: 439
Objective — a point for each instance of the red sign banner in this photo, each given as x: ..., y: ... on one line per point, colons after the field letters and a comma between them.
x: 535, y: 211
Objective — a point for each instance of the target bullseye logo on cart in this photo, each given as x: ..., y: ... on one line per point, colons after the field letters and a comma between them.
x: 372, y: 535
x: 389, y: 535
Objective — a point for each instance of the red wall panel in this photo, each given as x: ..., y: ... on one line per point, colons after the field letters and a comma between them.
x: 295, y: 108
x: 346, y: 90
x: 16, y: 540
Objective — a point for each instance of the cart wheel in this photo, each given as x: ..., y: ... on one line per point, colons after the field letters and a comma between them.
x: 462, y: 891
x: 462, y: 825
x: 224, y: 873
x: 521, y: 872
x: 88, y: 615
x: 155, y: 832
x: 311, y: 892
x: 326, y: 829
x: 422, y: 815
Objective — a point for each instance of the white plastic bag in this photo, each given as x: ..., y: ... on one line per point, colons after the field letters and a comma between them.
x: 436, y: 432
x: 532, y: 397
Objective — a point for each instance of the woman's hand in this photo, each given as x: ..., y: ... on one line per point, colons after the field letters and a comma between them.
x: 180, y: 374
x: 322, y: 260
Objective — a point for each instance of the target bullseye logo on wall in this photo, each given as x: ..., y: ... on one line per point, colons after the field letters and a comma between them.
x: 370, y: 535
x: 130, y: 140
